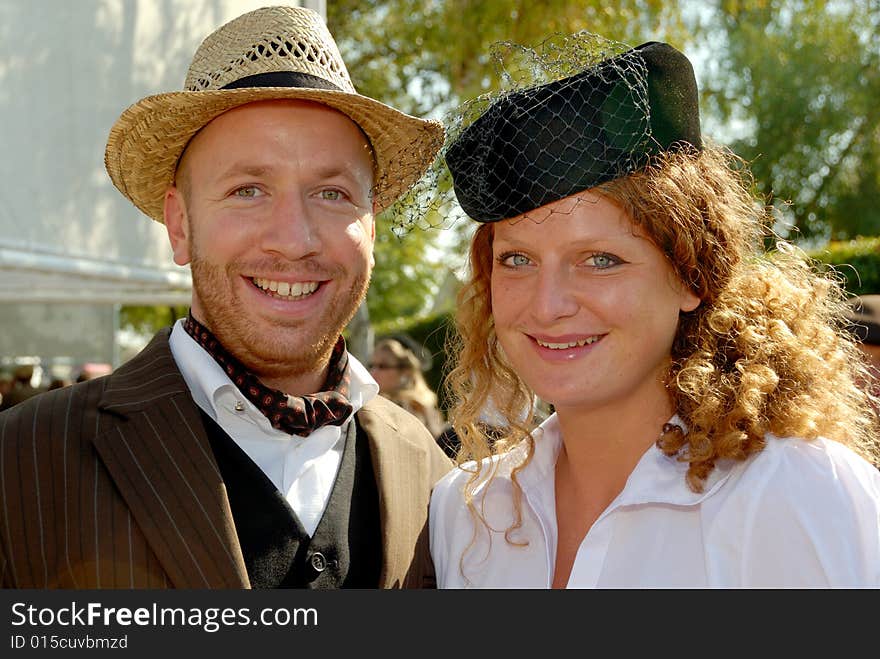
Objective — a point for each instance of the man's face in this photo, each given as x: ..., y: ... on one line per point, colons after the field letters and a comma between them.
x: 275, y: 216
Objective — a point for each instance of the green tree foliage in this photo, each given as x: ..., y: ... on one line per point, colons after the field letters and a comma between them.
x: 800, y: 79
x: 149, y: 319
x: 406, y: 276
x: 856, y: 261
x: 422, y: 55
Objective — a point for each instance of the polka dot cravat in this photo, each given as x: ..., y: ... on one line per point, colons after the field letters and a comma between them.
x: 296, y: 415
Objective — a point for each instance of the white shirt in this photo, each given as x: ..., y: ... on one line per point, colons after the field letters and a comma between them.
x: 798, y: 514
x: 303, y: 469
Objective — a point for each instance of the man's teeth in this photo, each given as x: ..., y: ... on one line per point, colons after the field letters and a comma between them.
x: 572, y: 344
x: 285, y: 289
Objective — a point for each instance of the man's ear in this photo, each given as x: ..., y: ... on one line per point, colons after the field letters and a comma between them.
x: 177, y: 225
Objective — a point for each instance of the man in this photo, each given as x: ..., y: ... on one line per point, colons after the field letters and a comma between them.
x: 244, y: 447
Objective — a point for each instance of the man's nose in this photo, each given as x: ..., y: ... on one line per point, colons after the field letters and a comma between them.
x: 291, y: 231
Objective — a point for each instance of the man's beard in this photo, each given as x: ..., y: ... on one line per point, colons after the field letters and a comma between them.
x: 287, y: 349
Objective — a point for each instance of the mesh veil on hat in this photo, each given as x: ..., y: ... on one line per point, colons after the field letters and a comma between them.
x: 267, y: 54
x: 536, y: 145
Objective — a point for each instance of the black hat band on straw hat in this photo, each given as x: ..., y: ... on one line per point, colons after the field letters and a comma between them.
x: 282, y: 79
x: 537, y: 145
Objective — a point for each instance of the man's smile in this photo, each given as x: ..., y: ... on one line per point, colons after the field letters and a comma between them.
x: 286, y: 290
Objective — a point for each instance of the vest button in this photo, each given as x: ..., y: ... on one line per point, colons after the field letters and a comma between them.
x: 319, y: 562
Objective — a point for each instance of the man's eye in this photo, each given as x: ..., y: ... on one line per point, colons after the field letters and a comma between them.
x: 331, y: 195
x: 247, y: 191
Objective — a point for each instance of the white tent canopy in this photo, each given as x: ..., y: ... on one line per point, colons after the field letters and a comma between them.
x: 72, y: 249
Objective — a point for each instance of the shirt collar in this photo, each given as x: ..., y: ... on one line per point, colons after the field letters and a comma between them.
x: 657, y: 478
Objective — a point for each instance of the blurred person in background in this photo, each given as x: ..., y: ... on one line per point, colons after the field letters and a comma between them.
x: 5, y: 386
x: 58, y: 383
x: 20, y: 389
x: 92, y: 370
x: 397, y: 365
x: 863, y: 314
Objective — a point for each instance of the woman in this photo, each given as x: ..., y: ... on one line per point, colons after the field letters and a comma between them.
x: 708, y: 428
x: 398, y: 371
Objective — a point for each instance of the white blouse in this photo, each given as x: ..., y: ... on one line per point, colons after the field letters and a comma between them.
x: 798, y: 514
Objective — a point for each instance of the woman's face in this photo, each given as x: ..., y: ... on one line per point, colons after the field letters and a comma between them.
x: 585, y: 308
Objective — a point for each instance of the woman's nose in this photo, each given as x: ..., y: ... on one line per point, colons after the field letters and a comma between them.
x: 553, y: 297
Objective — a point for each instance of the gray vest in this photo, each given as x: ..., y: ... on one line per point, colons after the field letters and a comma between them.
x: 346, y: 549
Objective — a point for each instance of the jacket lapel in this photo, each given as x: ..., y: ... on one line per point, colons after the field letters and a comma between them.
x: 154, y: 445
x: 402, y: 479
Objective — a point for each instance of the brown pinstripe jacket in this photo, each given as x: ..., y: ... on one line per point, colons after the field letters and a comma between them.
x: 111, y: 483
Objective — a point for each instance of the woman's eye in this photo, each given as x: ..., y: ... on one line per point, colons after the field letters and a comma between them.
x: 514, y: 260
x: 331, y: 195
x: 603, y: 260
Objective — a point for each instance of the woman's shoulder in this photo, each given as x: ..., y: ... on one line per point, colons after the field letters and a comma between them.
x: 818, y: 462
x: 793, y: 473
x: 798, y: 512
x: 817, y: 484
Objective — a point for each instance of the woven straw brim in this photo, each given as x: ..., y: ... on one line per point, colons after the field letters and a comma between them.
x: 146, y: 142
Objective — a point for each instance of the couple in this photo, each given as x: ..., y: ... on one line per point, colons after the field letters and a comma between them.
x: 707, y: 427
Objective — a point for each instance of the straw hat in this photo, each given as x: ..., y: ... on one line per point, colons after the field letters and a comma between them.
x: 270, y: 53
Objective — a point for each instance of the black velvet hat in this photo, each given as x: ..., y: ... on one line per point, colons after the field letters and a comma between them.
x: 538, y: 145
